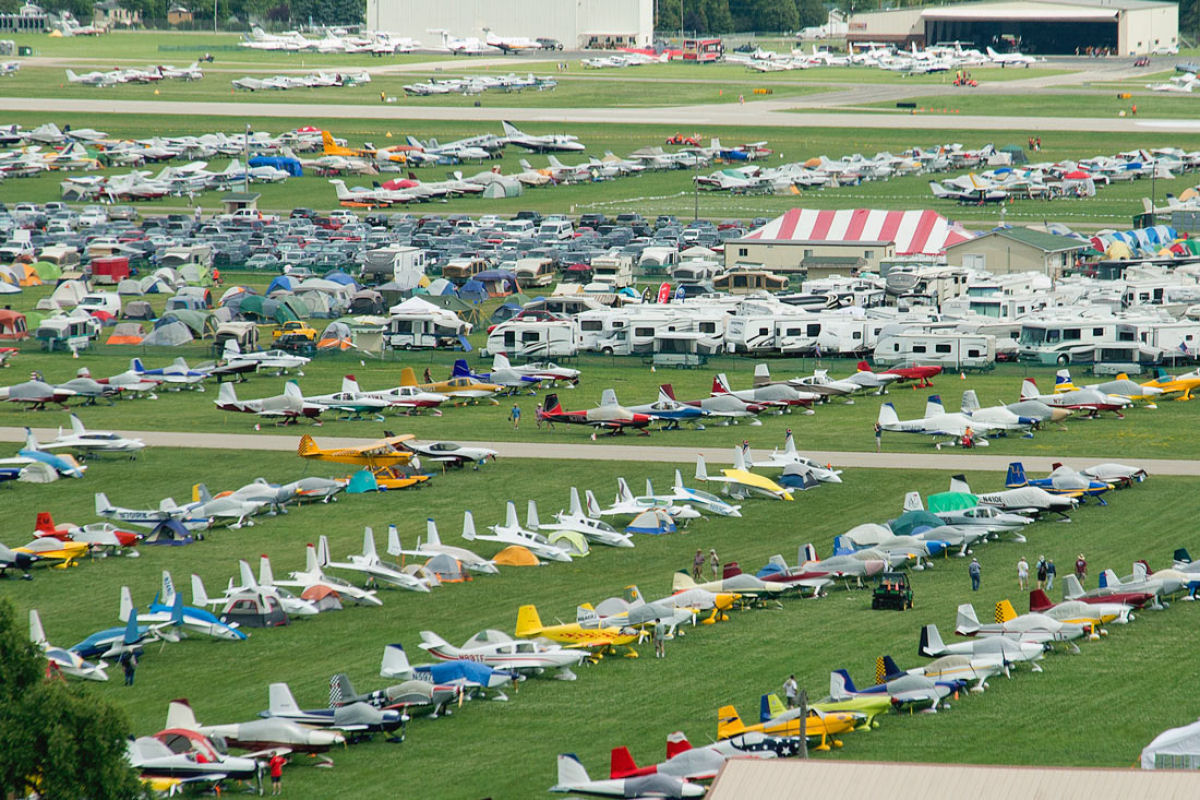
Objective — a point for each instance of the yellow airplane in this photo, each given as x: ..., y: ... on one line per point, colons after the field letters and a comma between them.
x: 1182, y: 385
x: 461, y: 387
x: 382, y: 453
x: 741, y: 482
x: 332, y: 148
x: 816, y: 724
x: 869, y: 706
x: 48, y: 548
x: 1121, y: 386
x: 529, y: 625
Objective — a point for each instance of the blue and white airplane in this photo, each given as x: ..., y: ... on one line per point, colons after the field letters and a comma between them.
x: 31, y: 453
x: 354, y: 717
x: 176, y: 374
x: 65, y: 661
x: 1062, y: 480
x: 167, y: 606
x: 113, y: 642
x: 510, y: 378
x: 666, y: 409
x: 459, y: 672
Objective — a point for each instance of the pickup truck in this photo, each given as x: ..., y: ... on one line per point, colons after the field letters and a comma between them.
x: 247, y: 215
x: 295, y: 328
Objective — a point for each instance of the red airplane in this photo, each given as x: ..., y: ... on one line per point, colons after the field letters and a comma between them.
x: 918, y: 373
x: 102, y: 534
x: 1040, y: 603
x: 613, y: 418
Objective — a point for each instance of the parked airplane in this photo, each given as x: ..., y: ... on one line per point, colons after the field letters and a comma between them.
x: 615, y: 419
x: 703, y: 762
x: 548, y: 143
x: 499, y: 650
x: 63, y: 660
x: 1061, y: 481
x: 954, y: 429
x: 432, y: 546
x: 1010, y: 59
x: 82, y: 440
x: 573, y: 778
x: 313, y: 575
x: 188, y: 517
x: 257, y: 735
x: 932, y: 646
x: 511, y: 533
x: 354, y: 718
x: 1025, y: 500
x: 789, y: 457
x: 593, y: 529
x: 1088, y: 400
x: 905, y: 691
x: 529, y: 625
x: 286, y: 408
x: 369, y: 564
x: 509, y: 45
x: 740, y: 482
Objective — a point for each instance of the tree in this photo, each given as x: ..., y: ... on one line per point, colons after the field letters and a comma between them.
x: 810, y: 13
x: 53, y: 737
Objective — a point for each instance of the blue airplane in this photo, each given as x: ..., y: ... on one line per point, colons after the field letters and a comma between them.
x: 509, y: 378
x: 63, y: 465
x: 1061, y: 481
x: 128, y: 638
x: 915, y: 691
x: 168, y: 606
x: 459, y: 672
x: 176, y: 373
x: 666, y: 408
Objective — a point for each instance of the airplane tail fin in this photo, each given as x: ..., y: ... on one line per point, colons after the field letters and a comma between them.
x: 701, y: 469
x: 431, y: 533
x: 842, y: 546
x: 36, y: 634
x: 958, y: 483
x: 789, y: 444
x: 531, y: 516
x: 668, y: 390
x: 624, y: 493
x: 551, y: 405
x: 528, y: 622
x: 931, y: 645
x: 934, y: 407
x: 280, y: 701
x: 729, y: 723
x: 609, y: 398
x: 44, y: 522
x: 677, y: 742
x: 593, y: 507
x: 461, y: 369
x: 1109, y: 579
x: 168, y: 589
x: 678, y: 486
x: 720, y: 384
x: 349, y: 383
x: 1016, y: 476
x: 226, y: 395
x: 1005, y: 611
x: 369, y: 551
x: 77, y: 426
x: 1072, y: 588
x: 510, y: 516
x: 395, y: 662
x: 970, y: 402
x: 586, y: 616
x: 132, y: 633
x: 266, y: 576
x: 102, y: 504
x: 180, y: 716
x: 739, y: 459
x: 31, y: 442
x: 393, y: 545
x: 500, y: 362
x: 681, y: 581
x: 967, y: 621
x: 312, y: 562
x: 806, y: 553
x: 1029, y: 390
x: 575, y: 509
x: 323, y: 551
x: 468, y: 531
x: 888, y: 415
x: 570, y: 770
x: 840, y: 685
x: 912, y: 502
x: 1062, y: 380
x: 762, y: 375
x: 291, y: 390
x: 126, y: 605
x: 886, y: 669
x: 199, y: 594
x: 622, y: 763
x: 863, y: 366
x: 408, y: 377
x: 341, y: 690
x: 1039, y: 601
x: 1182, y: 556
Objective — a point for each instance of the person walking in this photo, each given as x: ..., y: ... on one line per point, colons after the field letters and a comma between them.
x: 515, y: 416
x: 714, y: 563
x: 1040, y: 571
x: 1051, y: 571
x: 1022, y: 573
x: 878, y: 438
x: 660, y: 640
x: 975, y: 571
x: 276, y: 766
x: 1081, y: 568
x: 129, y: 664
x: 791, y: 691
x: 697, y: 565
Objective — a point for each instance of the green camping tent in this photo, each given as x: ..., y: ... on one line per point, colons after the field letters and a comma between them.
x: 47, y: 271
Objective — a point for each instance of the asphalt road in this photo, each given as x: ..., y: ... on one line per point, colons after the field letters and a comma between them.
x: 602, y: 450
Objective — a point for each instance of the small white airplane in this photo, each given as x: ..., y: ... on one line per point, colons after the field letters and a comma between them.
x: 593, y: 529
x: 498, y: 650
x: 313, y: 575
x: 511, y: 533
x: 432, y: 546
x: 460, y: 45
x: 368, y: 563
x: 509, y: 45
x: 261, y: 589
x: 574, y: 779
x: 626, y: 504
x: 951, y: 427
x: 82, y: 440
x: 789, y: 456
x: 702, y: 500
x: 151, y: 517
x: 64, y: 660
x: 1010, y: 59
x: 739, y: 482
x: 549, y: 143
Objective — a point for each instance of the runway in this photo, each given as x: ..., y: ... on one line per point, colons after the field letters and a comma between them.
x: 684, y: 457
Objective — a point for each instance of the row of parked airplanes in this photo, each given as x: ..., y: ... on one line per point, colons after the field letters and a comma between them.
x: 885, y: 57
x: 387, y: 43
x: 312, y: 80
x: 150, y: 74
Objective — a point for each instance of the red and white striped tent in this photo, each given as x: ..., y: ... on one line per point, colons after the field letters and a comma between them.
x: 912, y: 232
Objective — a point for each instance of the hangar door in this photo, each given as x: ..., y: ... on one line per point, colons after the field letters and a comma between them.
x: 1044, y: 31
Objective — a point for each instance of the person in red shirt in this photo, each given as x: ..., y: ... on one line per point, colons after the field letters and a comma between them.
x: 276, y: 766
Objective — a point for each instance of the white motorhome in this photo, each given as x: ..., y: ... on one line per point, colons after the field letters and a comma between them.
x: 849, y: 336
x: 404, y: 265
x: 199, y: 255
x: 534, y: 339
x: 417, y: 323
x: 1059, y: 341
x: 947, y: 349
x: 635, y: 334
x: 534, y: 272
x: 108, y: 302
x: 614, y: 270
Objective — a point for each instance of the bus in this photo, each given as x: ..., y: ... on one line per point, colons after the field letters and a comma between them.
x: 703, y: 51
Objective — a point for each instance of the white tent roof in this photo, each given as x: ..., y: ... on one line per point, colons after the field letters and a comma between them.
x: 1182, y: 743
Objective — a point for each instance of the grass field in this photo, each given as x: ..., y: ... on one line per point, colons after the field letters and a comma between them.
x: 1150, y: 104
x: 507, y: 749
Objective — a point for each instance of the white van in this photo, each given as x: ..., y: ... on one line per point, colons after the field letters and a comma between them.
x: 556, y: 229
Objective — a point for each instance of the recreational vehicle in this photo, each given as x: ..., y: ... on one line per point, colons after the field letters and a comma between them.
x: 405, y: 265
x: 682, y: 349
x: 534, y: 272
x: 534, y: 339
x: 460, y: 270
x: 63, y: 256
x: 1060, y: 342
x: 419, y: 324
x: 68, y: 333
x: 658, y: 261
x: 615, y: 271
x: 745, y: 281
x: 947, y: 349
x: 849, y: 336
x: 199, y: 255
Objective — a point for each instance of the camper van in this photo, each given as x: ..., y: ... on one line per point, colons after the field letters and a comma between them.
x: 1058, y: 342
x: 658, y: 261
x: 745, y: 281
x: 424, y: 328
x: 405, y: 265
x: 534, y: 339
x: 683, y: 349
x: 460, y: 270
x: 951, y: 350
x: 615, y: 270
x: 68, y: 333
x: 556, y: 229
x: 63, y: 256
x: 200, y: 255
x: 534, y: 272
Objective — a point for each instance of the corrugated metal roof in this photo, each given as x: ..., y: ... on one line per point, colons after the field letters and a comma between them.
x: 749, y: 779
x: 920, y: 232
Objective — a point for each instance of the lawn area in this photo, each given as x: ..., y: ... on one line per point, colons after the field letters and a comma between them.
x: 1150, y: 104
x: 217, y: 87
x: 506, y: 749
x: 656, y: 193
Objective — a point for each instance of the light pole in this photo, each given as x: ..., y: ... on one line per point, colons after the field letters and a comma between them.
x: 215, y: 2
x: 246, y: 150
x: 696, y: 186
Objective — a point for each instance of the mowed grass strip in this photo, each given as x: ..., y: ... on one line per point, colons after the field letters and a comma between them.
x: 507, y: 749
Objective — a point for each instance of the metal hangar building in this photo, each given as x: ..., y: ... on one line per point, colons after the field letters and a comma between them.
x: 1038, y: 27
x: 574, y: 23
